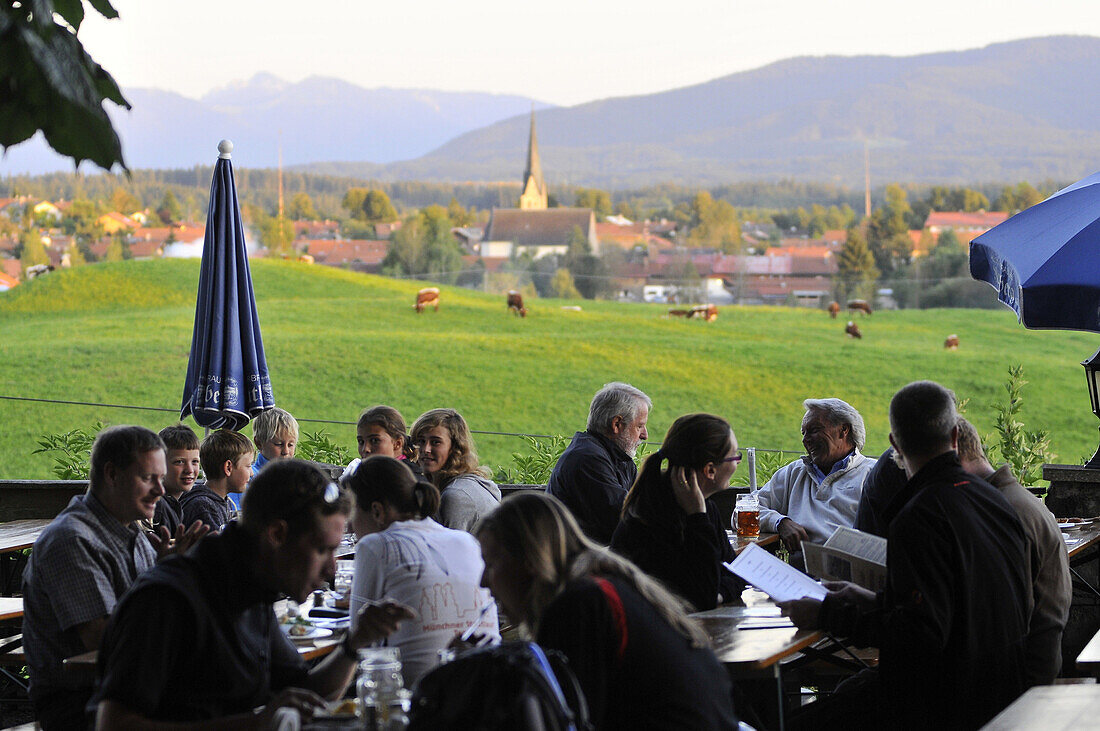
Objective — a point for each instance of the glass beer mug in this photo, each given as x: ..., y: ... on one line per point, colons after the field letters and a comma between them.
x: 747, y: 516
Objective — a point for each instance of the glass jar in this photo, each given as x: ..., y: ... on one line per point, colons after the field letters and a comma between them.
x: 383, y: 700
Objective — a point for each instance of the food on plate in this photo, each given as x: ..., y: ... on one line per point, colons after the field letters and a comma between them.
x: 346, y: 707
x: 297, y: 626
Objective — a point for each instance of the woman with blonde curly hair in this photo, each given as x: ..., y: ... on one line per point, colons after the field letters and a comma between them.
x: 449, y: 460
x: 641, y: 661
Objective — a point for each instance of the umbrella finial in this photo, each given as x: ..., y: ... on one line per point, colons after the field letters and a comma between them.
x: 224, y: 148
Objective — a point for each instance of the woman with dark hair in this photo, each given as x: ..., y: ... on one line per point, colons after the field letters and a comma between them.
x: 406, y: 556
x: 641, y: 661
x: 381, y: 430
x: 448, y: 457
x: 669, y: 528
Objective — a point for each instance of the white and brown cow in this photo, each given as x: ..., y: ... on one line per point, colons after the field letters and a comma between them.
x: 427, y: 297
x: 515, y: 303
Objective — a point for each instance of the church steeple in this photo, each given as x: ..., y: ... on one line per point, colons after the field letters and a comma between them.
x: 534, y: 195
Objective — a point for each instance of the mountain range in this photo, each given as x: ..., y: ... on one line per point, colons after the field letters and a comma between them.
x: 1021, y: 110
x: 315, y: 120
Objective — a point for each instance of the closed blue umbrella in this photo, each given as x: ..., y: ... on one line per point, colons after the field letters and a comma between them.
x: 227, y: 378
x: 1045, y: 262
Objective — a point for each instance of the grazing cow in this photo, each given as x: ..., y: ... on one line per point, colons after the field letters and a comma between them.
x: 952, y: 342
x: 515, y: 303
x: 853, y: 330
x: 427, y: 297
x: 38, y: 270
x: 859, y: 305
x: 703, y: 312
x: 834, y: 308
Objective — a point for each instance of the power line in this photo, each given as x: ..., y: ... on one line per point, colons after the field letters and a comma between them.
x: 132, y: 407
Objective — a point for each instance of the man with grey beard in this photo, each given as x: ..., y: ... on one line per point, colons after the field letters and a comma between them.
x: 596, y: 470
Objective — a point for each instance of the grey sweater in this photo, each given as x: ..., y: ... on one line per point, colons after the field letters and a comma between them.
x: 465, y: 499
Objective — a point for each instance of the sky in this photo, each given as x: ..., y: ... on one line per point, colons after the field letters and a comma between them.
x: 558, y: 51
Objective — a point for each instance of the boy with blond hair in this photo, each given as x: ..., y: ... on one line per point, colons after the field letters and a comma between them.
x: 226, y: 458
x: 182, y: 457
x: 275, y: 433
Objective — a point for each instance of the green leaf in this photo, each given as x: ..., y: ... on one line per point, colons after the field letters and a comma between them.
x: 71, y: 10
x: 105, y: 8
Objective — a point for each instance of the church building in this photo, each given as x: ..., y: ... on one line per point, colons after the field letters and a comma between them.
x: 534, y: 226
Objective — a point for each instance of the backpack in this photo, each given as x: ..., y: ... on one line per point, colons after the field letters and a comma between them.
x: 514, y: 685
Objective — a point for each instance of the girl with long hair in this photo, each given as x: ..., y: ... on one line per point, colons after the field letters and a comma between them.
x: 641, y: 661
x: 406, y: 556
x: 449, y: 459
x: 669, y: 527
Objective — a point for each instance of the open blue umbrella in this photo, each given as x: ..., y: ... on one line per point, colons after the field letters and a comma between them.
x: 1045, y: 262
x: 227, y: 378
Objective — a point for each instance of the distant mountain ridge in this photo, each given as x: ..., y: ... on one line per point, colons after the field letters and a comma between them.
x: 316, y: 119
x: 1003, y: 113
x: 1006, y: 112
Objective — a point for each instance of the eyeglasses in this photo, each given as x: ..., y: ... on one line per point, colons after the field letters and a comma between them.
x: 737, y: 457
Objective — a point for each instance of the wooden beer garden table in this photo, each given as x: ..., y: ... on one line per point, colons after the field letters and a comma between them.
x: 1089, y: 659
x: 1083, y: 546
x: 81, y: 668
x: 11, y: 607
x: 755, y: 651
x: 1051, y: 708
x: 764, y: 539
x: 15, y: 536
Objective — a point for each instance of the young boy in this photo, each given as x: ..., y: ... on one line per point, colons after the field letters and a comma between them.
x: 276, y: 435
x: 226, y: 458
x: 182, y: 455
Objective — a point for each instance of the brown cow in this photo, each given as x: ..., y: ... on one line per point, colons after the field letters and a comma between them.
x: 427, y: 297
x: 703, y: 312
x: 515, y: 303
x: 859, y: 305
x: 853, y: 330
x: 834, y: 308
x: 952, y: 342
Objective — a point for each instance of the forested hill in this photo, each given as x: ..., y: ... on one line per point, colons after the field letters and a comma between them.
x: 1010, y: 111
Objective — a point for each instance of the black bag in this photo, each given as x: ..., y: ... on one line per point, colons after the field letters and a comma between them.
x: 514, y: 685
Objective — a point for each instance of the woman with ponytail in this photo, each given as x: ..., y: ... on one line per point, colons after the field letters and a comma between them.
x: 669, y: 528
x: 640, y: 660
x: 406, y: 556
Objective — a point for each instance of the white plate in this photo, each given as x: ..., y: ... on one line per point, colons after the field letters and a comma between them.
x: 332, y: 623
x: 315, y: 633
x: 1072, y: 526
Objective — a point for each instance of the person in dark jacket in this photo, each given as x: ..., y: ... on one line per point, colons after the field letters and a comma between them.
x: 883, y: 495
x: 596, y: 470
x: 669, y: 527
x: 640, y: 660
x: 952, y: 622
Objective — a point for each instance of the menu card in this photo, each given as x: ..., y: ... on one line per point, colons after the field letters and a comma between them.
x: 775, y: 578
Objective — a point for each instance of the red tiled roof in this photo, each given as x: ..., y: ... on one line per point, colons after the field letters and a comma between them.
x: 345, y: 251
x: 960, y: 219
x: 820, y: 251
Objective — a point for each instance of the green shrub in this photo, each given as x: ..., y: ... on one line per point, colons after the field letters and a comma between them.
x: 318, y: 447
x: 73, y: 447
x: 1025, y: 451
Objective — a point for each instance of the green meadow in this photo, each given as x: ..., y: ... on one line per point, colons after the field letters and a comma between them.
x: 338, y: 341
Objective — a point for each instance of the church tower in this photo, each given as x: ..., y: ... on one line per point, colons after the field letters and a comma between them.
x: 534, y: 196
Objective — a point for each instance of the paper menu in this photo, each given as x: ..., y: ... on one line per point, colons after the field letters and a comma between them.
x: 778, y: 580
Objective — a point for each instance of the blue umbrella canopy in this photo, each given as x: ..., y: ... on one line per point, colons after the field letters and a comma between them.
x: 1045, y: 262
x: 227, y: 378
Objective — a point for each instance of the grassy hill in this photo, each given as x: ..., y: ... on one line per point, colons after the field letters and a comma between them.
x: 338, y: 341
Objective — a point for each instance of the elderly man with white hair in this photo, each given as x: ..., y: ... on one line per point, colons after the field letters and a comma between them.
x: 807, y: 499
x: 596, y: 470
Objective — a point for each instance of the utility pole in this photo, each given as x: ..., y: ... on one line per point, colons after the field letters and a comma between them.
x: 280, y: 174
x: 866, y: 178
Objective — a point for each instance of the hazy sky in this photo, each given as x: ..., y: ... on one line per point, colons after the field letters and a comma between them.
x: 559, y: 51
